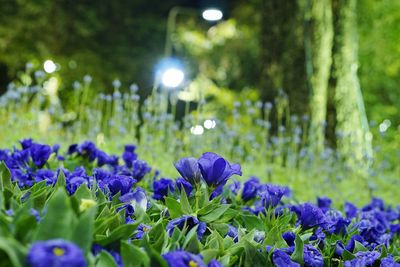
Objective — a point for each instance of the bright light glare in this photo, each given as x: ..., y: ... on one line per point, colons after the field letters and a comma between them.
x: 49, y: 66
x: 384, y: 125
x: 212, y: 14
x: 172, y: 77
x: 209, y: 124
x: 197, y: 130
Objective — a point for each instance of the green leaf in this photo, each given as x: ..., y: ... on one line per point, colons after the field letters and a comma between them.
x: 184, y: 201
x: 83, y: 192
x: 5, y: 177
x: 121, y: 232
x: 209, y: 254
x: 61, y: 180
x: 215, y: 214
x: 174, y: 207
x: 347, y: 255
x: 82, y: 235
x: 133, y: 256
x: 105, y: 260
x: 298, y: 254
x: 59, y: 219
x: 252, y: 222
x: 14, y: 250
x: 359, y: 247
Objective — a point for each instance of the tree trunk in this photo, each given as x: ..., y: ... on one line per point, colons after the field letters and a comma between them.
x: 353, y: 136
x: 282, y: 53
x: 318, y: 48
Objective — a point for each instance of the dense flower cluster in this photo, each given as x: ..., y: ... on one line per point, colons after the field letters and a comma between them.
x: 103, y: 208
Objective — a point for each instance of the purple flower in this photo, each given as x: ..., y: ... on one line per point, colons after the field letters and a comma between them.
x: 234, y: 187
x: 376, y: 204
x: 139, y: 169
x: 182, y: 258
x: 55, y: 253
x: 363, y: 258
x: 182, y: 183
x: 189, y: 169
x: 271, y: 194
x: 26, y: 143
x: 161, y: 187
x: 120, y: 183
x: 324, y: 203
x: 142, y: 230
x: 335, y: 223
x: 232, y: 232
x: 216, y: 170
x: 189, y: 222
x: 281, y: 259
x: 214, y: 263
x: 389, y: 262
x: 312, y: 257
x: 129, y: 155
x: 309, y: 215
x: 87, y: 149
x: 137, y: 197
x: 250, y: 188
x: 40, y: 154
x: 289, y: 237
x: 74, y: 183
x: 350, y: 209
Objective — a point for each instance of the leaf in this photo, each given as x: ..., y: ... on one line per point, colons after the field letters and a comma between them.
x: 298, y: 254
x: 252, y: 222
x: 5, y: 177
x: 105, y: 260
x: 174, y: 207
x: 359, y: 247
x: 14, y: 250
x: 82, y: 235
x: 121, y: 232
x: 59, y: 219
x: 184, y: 201
x: 215, y: 214
x: 61, y: 180
x: 347, y: 255
x: 133, y: 256
x: 83, y: 192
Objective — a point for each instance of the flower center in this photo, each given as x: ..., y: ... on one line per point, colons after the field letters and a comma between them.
x: 146, y: 229
x: 58, y: 251
x: 193, y: 264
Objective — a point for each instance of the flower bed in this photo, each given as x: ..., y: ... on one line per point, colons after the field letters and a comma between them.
x: 88, y: 208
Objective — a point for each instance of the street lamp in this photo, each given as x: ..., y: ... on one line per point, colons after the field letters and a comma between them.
x: 212, y: 14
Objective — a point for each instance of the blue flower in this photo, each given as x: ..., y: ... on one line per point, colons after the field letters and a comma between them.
x: 215, y: 170
x: 189, y: 222
x: 309, y: 215
x: 120, y: 183
x: 96, y: 249
x: 161, y: 187
x: 389, y: 262
x: 182, y: 183
x: 289, y: 237
x: 324, y: 203
x: 350, y: 209
x: 189, y: 169
x: 271, y: 194
x: 363, y: 258
x: 335, y: 223
x: 26, y: 143
x: 137, y: 197
x: 312, y: 257
x: 129, y: 155
x: 182, y: 258
x: 87, y: 149
x: 40, y: 154
x: 55, y: 253
x: 214, y: 263
x: 142, y: 230
x: 281, y: 259
x: 250, y: 188
x: 232, y: 232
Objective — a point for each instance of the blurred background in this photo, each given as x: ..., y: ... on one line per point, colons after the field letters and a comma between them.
x: 299, y: 91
